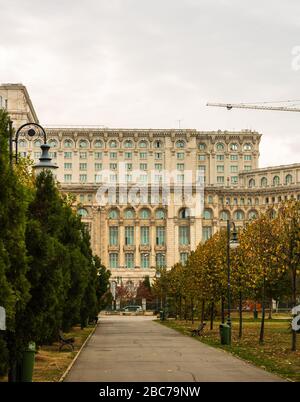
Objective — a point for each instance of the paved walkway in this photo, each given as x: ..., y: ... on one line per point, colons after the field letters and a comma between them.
x: 138, y: 349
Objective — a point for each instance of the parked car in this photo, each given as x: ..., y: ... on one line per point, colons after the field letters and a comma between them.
x: 133, y: 308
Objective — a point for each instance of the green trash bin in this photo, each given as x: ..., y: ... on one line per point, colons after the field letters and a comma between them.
x: 255, y: 314
x: 162, y: 315
x: 225, y: 334
x: 28, y: 363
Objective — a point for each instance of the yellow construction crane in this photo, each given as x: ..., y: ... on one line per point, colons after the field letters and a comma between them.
x: 230, y: 106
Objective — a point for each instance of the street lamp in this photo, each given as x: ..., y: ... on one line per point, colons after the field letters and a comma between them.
x: 232, y: 243
x: 32, y: 130
x: 158, y: 276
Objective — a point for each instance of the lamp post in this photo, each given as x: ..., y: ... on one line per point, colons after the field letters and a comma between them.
x: 32, y: 130
x: 232, y: 243
x: 157, y: 276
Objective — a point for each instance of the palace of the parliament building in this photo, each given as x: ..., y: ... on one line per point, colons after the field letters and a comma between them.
x: 133, y: 239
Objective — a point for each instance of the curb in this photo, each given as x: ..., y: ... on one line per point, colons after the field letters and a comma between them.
x: 77, y: 355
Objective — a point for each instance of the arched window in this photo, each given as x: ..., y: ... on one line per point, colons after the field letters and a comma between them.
x: 202, y: 146
x: 234, y: 146
x: 37, y: 143
x: 276, y: 180
x: 184, y: 213
x: 83, y: 144
x: 288, y: 179
x: 82, y: 212
x: 239, y: 215
x: 251, y: 183
x: 160, y: 214
x: 272, y: 213
x: 180, y: 144
x: 157, y: 144
x: 113, y: 214
x: 113, y: 144
x: 22, y: 143
x: 252, y: 215
x: 207, y: 214
x: 220, y: 146
x: 264, y: 182
x: 145, y: 213
x: 68, y: 143
x: 128, y: 144
x: 224, y: 215
x: 129, y: 213
x: 98, y: 144
x: 53, y: 143
x: 247, y: 147
x: 143, y: 144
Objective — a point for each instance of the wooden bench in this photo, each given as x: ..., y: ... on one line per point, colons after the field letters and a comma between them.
x: 65, y: 341
x: 198, y: 331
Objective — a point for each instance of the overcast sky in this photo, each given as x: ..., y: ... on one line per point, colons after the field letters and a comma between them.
x: 149, y: 63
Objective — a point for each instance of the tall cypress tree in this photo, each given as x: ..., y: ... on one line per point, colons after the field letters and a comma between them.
x: 14, y: 286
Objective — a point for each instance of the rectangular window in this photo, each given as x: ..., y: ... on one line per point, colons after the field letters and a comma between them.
x: 180, y: 178
x: 82, y: 166
x: 158, y: 155
x: 68, y: 166
x: 113, y: 178
x: 220, y: 179
x: 129, y: 260
x: 90, y: 197
x: 128, y: 166
x: 53, y: 155
x: 98, y: 167
x: 81, y: 198
x: 113, y: 155
x: 113, y: 235
x: 143, y: 178
x: 82, y: 155
x: 201, y: 157
x: 160, y: 236
x: 83, y: 178
x: 180, y: 155
x: 184, y: 235
x: 68, y: 178
x: 129, y: 235
x: 143, y: 166
x: 68, y: 155
x: 145, y: 235
x: 180, y: 166
x: 143, y: 155
x: 145, y: 260
x: 98, y: 178
x: 220, y: 157
x: 247, y: 157
x: 220, y: 168
x: 98, y: 155
x: 158, y: 166
x: 113, y: 166
x: 234, y: 179
x: 160, y: 260
x: 233, y: 169
x: 128, y: 155
x: 206, y: 232
x: 247, y: 167
x: 113, y: 260
x: 233, y: 157
x: 37, y: 155
x: 183, y: 258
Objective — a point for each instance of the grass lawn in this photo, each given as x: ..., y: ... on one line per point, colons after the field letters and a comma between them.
x: 274, y: 355
x: 50, y: 364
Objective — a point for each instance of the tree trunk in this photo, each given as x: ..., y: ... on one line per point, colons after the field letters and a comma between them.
x: 271, y: 308
x: 212, y: 313
x: 180, y: 307
x: 240, y: 314
x: 202, y: 311
x: 294, y: 301
x: 263, y: 311
x: 192, y: 310
x: 223, y: 309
